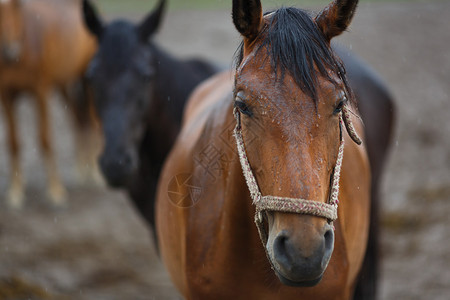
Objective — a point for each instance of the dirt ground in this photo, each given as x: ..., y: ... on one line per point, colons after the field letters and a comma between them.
x: 98, y: 248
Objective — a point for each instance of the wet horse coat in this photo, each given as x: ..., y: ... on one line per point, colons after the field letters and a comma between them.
x: 204, y: 211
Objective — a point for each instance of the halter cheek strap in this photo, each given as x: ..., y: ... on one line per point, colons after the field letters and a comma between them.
x: 286, y: 204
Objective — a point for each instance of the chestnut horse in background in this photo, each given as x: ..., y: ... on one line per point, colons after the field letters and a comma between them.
x: 43, y: 46
x: 293, y: 166
x: 139, y: 92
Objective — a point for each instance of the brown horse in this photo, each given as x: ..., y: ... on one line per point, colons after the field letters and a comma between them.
x: 43, y: 45
x: 292, y: 111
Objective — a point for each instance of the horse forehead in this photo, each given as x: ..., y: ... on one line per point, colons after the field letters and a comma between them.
x: 264, y: 81
x: 120, y: 34
x: 120, y: 47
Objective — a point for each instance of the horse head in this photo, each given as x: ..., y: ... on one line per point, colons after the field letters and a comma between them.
x: 122, y: 76
x: 12, y: 30
x: 290, y: 91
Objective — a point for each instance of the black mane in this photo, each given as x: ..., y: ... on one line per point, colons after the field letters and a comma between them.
x: 295, y: 44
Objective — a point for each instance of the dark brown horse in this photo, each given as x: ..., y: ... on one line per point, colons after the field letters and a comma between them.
x: 292, y: 110
x: 139, y: 93
x: 43, y: 45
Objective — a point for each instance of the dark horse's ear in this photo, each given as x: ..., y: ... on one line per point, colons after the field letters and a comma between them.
x: 335, y: 18
x: 91, y: 19
x: 151, y: 22
x: 247, y: 17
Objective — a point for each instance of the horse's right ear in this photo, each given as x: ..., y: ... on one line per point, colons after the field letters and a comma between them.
x: 247, y: 17
x: 91, y: 19
x: 151, y: 22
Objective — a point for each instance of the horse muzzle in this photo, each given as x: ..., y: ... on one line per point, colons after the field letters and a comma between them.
x: 118, y: 168
x: 300, y: 263
x: 11, y: 52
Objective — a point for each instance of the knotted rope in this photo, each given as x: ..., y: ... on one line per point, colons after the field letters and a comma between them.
x: 293, y: 205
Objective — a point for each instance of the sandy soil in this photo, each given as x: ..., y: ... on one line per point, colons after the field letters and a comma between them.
x: 99, y: 248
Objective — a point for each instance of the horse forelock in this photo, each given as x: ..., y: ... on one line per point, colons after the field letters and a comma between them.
x: 294, y: 44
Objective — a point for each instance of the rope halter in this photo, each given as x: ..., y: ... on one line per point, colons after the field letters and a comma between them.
x: 293, y: 205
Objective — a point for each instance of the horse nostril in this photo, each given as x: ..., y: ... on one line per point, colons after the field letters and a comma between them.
x: 126, y: 160
x: 280, y: 249
x: 329, y: 246
x: 329, y: 239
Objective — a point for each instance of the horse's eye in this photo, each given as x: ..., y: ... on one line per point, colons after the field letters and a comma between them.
x: 239, y: 102
x: 243, y: 108
x: 340, y: 105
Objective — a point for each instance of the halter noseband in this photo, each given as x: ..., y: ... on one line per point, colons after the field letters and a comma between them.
x: 293, y: 205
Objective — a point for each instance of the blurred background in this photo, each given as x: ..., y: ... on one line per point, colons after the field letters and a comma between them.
x: 99, y: 248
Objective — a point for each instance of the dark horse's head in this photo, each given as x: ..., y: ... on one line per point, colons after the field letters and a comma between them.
x: 122, y: 77
x: 290, y: 91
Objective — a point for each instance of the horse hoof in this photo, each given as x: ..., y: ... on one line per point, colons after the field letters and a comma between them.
x: 15, y: 199
x: 95, y: 178
x: 89, y: 175
x: 58, y: 197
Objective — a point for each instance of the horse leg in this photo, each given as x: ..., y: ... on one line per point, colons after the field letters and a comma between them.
x: 91, y: 133
x: 86, y: 133
x: 15, y: 195
x: 56, y: 190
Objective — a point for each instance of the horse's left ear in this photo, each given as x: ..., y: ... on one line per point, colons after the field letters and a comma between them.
x: 335, y: 18
x: 92, y: 19
x: 151, y: 22
x: 247, y: 17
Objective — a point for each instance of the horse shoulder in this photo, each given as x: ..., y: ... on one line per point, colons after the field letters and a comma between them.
x: 354, y: 207
x: 204, y: 108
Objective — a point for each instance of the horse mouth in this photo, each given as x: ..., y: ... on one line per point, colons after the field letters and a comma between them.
x: 303, y: 283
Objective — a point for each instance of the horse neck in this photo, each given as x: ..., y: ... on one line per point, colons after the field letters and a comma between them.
x: 164, y: 115
x: 175, y: 80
